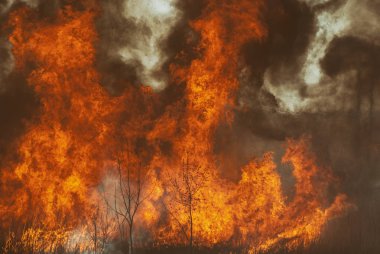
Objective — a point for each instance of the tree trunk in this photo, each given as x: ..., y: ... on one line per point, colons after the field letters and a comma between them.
x: 95, y: 236
x: 191, y: 232
x: 130, y: 245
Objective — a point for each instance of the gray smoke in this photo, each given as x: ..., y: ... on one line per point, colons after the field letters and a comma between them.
x: 153, y: 22
x: 309, y: 88
x: 133, y: 37
x: 7, y: 62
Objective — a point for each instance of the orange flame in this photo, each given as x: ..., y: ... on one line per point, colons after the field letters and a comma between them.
x: 66, y: 151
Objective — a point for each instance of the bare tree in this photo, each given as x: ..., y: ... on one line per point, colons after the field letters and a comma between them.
x: 186, y: 187
x: 100, y: 228
x: 130, y: 192
x: 94, y: 231
x: 119, y: 219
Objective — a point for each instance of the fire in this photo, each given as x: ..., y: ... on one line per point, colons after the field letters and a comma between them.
x: 70, y: 146
x: 212, y: 79
x: 268, y: 217
x: 57, y: 159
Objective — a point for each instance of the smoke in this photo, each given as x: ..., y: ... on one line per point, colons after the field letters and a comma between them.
x: 133, y: 39
x: 319, y: 76
x: 153, y: 21
x: 328, y: 25
x: 316, y: 73
x: 17, y: 100
x: 5, y: 5
x: 304, y: 86
x: 7, y: 63
x: 133, y: 36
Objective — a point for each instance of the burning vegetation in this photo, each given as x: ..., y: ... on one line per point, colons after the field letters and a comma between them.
x: 94, y: 171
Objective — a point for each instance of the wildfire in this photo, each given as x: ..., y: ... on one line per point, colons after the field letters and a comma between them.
x: 71, y: 145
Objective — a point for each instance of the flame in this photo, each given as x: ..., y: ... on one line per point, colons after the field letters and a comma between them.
x: 70, y: 145
x: 212, y: 79
x: 58, y: 162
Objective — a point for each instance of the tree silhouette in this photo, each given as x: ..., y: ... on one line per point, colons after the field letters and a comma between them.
x: 186, y: 188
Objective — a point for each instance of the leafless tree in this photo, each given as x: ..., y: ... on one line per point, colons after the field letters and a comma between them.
x: 119, y: 219
x: 93, y: 227
x: 100, y: 228
x: 186, y: 186
x: 130, y: 192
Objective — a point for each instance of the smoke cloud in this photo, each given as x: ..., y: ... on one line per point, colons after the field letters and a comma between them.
x: 138, y: 37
